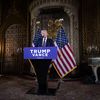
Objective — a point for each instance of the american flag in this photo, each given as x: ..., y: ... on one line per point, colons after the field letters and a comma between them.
x: 37, y: 36
x: 35, y: 39
x: 65, y: 62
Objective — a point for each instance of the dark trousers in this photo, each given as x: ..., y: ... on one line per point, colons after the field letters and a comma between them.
x: 41, y: 68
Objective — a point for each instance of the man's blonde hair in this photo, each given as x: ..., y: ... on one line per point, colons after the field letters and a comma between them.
x: 44, y: 31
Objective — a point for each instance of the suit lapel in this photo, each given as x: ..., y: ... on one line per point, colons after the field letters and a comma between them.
x: 47, y: 42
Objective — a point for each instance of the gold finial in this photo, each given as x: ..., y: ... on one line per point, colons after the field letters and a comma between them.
x: 38, y: 24
x: 61, y: 22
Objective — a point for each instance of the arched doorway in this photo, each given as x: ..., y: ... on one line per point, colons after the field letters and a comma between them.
x: 67, y: 7
x: 51, y: 14
x: 14, y: 43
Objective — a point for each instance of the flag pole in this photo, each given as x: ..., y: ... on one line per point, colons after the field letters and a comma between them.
x: 32, y: 66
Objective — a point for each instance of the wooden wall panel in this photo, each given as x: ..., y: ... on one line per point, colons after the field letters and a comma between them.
x: 90, y: 25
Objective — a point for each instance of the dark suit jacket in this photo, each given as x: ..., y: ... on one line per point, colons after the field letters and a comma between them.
x: 42, y: 62
x: 41, y: 65
x: 49, y: 42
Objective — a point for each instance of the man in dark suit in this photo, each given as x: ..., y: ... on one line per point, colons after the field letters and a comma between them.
x: 41, y: 65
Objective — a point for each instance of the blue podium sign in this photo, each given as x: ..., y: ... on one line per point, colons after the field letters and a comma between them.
x: 40, y: 53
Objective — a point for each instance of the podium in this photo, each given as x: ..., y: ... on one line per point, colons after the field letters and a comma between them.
x: 40, y: 53
x: 41, y: 58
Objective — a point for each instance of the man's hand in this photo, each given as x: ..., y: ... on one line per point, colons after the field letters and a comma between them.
x: 33, y: 45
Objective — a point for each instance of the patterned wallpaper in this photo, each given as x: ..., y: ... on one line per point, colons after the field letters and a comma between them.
x: 15, y: 38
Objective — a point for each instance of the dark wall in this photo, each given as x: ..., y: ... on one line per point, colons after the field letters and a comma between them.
x: 89, y: 25
x: 12, y: 12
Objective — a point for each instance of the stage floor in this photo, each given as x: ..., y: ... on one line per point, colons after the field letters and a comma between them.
x: 16, y: 88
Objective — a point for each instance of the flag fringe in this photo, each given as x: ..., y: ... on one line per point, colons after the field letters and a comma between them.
x: 56, y: 70
x: 70, y: 71
x: 66, y: 73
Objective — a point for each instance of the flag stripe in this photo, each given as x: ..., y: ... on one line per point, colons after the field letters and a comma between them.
x: 63, y: 65
x: 70, y: 48
x: 63, y: 61
x: 58, y: 67
x: 70, y: 54
x: 67, y: 58
x: 62, y: 58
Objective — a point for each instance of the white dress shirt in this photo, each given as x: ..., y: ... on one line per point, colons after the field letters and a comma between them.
x: 44, y: 41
